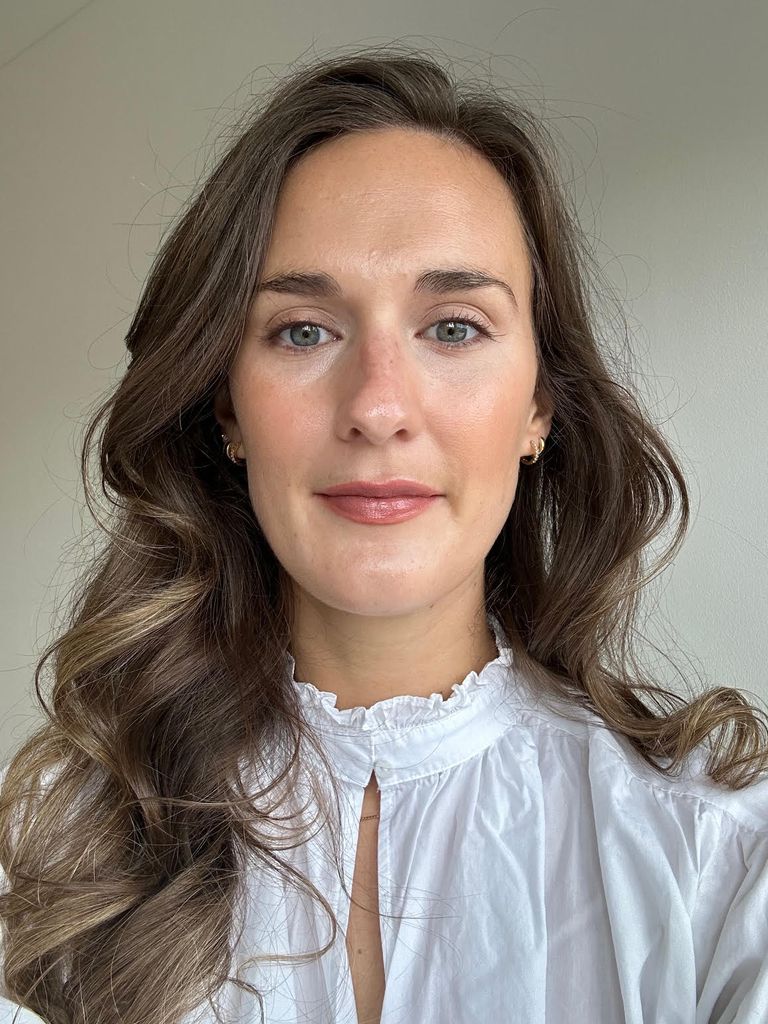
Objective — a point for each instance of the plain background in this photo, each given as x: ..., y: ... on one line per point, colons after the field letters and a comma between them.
x: 110, y: 116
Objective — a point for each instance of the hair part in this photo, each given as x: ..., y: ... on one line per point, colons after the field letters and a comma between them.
x: 175, y: 742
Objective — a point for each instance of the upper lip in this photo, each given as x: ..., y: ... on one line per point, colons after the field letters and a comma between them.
x: 382, y: 489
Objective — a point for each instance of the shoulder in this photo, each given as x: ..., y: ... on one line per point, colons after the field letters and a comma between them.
x: 578, y: 742
x: 682, y: 858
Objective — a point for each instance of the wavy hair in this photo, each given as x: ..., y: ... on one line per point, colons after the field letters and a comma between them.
x: 126, y: 823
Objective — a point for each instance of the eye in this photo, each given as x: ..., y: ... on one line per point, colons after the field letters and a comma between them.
x: 303, y: 334
x: 455, y: 331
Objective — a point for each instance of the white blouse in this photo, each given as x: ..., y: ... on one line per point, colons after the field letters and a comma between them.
x: 532, y: 870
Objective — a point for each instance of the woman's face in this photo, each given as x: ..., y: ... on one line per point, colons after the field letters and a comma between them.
x: 372, y: 384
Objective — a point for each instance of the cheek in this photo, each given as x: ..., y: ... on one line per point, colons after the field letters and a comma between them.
x: 268, y: 414
x: 485, y: 427
x: 277, y: 442
x: 486, y: 442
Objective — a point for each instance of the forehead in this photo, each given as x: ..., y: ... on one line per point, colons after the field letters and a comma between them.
x: 385, y: 202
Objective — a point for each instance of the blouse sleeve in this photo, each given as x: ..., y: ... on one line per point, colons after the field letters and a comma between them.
x: 732, y: 920
x: 12, y: 1013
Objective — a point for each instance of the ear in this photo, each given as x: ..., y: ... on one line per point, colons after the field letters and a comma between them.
x: 542, y: 412
x: 224, y: 412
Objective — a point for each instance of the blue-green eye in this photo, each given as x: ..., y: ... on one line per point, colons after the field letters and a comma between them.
x: 305, y: 336
x: 456, y: 332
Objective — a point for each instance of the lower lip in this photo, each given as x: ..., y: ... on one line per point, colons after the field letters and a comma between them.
x: 378, y: 510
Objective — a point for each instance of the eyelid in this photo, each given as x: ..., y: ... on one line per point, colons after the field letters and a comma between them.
x: 456, y: 312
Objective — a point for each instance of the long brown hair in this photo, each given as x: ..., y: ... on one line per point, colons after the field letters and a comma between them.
x: 125, y: 822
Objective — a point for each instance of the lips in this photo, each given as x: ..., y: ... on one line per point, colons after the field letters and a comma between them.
x: 378, y: 511
x: 384, y: 489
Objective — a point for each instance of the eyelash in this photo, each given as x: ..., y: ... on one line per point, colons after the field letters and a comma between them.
x: 484, y: 331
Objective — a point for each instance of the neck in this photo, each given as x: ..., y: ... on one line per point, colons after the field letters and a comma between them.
x: 366, y: 659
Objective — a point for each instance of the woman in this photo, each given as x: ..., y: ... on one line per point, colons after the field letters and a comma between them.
x: 381, y: 755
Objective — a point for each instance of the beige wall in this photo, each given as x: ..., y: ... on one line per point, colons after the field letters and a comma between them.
x: 109, y: 112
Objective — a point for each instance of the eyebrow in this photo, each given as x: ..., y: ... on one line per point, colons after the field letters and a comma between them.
x: 438, y: 281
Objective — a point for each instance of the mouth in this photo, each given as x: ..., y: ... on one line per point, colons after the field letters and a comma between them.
x: 379, y: 510
x: 381, y: 489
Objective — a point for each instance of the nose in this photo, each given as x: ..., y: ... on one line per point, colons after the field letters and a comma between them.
x: 379, y: 388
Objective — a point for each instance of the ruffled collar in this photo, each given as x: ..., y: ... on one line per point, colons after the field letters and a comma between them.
x: 397, y: 734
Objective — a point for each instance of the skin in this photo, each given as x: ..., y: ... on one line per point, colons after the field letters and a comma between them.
x: 383, y: 610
